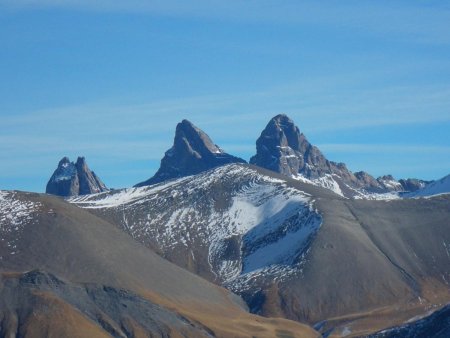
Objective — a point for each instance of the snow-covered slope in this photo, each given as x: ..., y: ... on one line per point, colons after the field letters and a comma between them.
x: 246, y: 222
x: 441, y: 186
x: 335, y: 184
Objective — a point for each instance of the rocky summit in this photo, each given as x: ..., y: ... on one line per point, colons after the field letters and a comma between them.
x: 192, y: 152
x: 284, y: 149
x: 73, y: 179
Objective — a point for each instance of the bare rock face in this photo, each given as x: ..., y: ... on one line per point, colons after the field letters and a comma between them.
x: 73, y: 179
x: 192, y: 152
x: 284, y: 149
x: 367, y: 180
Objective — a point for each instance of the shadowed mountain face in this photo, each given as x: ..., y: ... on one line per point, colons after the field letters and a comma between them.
x: 282, y: 148
x: 435, y: 325
x: 73, y: 179
x: 192, y: 152
x: 93, y: 280
x: 292, y: 249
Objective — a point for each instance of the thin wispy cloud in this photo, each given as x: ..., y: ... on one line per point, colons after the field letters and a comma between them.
x: 412, y: 21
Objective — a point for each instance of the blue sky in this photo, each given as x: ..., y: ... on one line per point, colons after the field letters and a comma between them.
x: 366, y: 81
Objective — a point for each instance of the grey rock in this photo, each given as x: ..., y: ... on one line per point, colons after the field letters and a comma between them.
x: 367, y: 180
x: 413, y: 184
x: 73, y: 179
x: 284, y: 149
x: 192, y: 152
x: 389, y: 183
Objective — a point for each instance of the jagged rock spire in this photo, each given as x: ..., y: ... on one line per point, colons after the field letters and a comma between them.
x: 284, y: 149
x: 73, y: 179
x: 192, y: 152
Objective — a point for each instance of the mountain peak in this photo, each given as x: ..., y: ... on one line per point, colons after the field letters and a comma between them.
x: 80, y: 160
x: 284, y: 149
x: 281, y: 147
x: 73, y: 179
x: 282, y: 118
x: 192, y: 136
x: 192, y: 152
x: 64, y: 161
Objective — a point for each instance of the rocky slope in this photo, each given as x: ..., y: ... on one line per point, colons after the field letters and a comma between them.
x: 192, y: 152
x: 73, y: 179
x: 282, y: 148
x: 65, y: 272
x: 292, y: 249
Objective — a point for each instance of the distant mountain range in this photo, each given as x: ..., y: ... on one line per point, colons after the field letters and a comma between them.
x: 288, y: 245
x: 281, y: 148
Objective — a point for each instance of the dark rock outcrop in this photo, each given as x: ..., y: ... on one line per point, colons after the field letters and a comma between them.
x: 367, y: 180
x: 73, y: 179
x: 413, y: 184
x: 192, y: 152
x: 284, y: 149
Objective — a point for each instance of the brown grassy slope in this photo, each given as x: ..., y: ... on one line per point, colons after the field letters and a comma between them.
x: 79, y: 247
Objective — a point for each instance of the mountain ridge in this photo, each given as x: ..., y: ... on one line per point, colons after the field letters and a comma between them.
x: 282, y: 148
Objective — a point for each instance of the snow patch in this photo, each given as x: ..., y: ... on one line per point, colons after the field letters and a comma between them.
x: 260, y: 226
x: 327, y: 182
